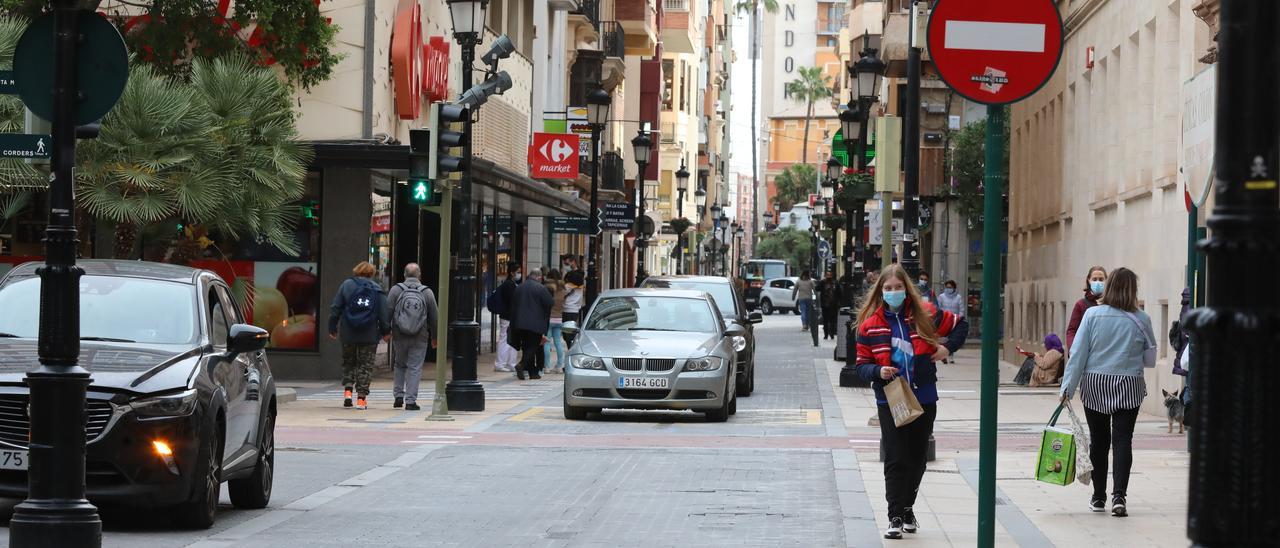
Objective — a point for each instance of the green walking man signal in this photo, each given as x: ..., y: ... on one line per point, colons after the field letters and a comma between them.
x: 422, y: 188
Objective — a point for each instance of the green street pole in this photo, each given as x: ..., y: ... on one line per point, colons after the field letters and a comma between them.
x: 992, y: 213
x: 440, y: 404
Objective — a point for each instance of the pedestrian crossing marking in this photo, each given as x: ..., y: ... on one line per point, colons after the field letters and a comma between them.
x: 501, y: 392
x: 774, y: 417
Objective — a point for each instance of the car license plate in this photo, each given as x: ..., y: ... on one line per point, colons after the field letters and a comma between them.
x: 642, y: 382
x: 13, y: 459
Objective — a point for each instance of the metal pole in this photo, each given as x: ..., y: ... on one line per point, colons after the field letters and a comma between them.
x: 593, y: 252
x: 465, y: 393
x: 1193, y: 225
x: 992, y: 213
x: 911, y: 152
x: 56, y: 512
x: 440, y: 404
x: 886, y: 229
x: 1234, y: 479
x: 680, y: 236
x: 641, y: 241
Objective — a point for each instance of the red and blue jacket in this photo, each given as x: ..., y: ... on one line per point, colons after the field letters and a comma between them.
x: 882, y: 340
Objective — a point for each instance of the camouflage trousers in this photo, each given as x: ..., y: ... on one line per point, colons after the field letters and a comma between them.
x: 357, y: 366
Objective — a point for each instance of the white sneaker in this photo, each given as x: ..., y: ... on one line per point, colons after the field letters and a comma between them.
x: 895, y: 529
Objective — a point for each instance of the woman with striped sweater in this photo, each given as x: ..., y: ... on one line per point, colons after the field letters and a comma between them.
x: 1105, y: 363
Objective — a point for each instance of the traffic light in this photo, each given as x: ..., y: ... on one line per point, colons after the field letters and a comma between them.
x: 422, y: 189
x: 443, y: 121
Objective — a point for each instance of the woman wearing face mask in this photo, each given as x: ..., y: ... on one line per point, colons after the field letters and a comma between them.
x: 1094, y: 283
x: 900, y: 334
x: 951, y: 301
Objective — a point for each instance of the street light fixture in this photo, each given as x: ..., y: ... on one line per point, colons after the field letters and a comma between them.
x: 468, y: 19
x: 641, y: 146
x: 834, y: 168
x: 682, y: 186
x: 851, y: 123
x: 598, y: 102
x: 868, y: 71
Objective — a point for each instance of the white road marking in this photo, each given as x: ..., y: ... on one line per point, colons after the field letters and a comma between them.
x: 993, y: 36
x: 435, y: 437
x: 429, y: 441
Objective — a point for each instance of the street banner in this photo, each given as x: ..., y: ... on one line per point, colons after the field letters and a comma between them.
x: 554, y: 156
x: 617, y: 216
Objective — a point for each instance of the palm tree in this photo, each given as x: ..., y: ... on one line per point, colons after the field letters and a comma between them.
x: 753, y: 7
x: 810, y: 87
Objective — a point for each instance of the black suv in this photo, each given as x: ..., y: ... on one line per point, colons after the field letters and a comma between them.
x: 182, y: 398
x: 732, y: 308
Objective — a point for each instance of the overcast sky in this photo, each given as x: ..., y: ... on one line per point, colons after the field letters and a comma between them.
x: 740, y: 102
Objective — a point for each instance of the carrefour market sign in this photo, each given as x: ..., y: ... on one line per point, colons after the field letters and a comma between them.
x: 420, y: 69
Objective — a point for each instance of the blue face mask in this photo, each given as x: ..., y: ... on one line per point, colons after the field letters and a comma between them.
x: 949, y: 291
x: 1097, y: 287
x: 894, y: 298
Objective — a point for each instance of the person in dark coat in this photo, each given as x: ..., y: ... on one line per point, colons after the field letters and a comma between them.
x: 830, y: 297
x: 1094, y: 283
x: 359, y: 342
x: 530, y: 318
x: 507, y: 356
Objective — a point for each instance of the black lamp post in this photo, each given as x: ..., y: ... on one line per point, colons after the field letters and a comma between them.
x: 641, y: 145
x: 867, y: 72
x: 724, y: 237
x: 700, y: 199
x: 464, y: 391
x: 715, y: 235
x: 598, y: 102
x: 741, y: 232
x: 682, y: 186
x: 834, y: 170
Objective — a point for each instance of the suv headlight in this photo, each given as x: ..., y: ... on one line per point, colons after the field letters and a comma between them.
x: 175, y: 405
x: 709, y: 363
x: 583, y: 361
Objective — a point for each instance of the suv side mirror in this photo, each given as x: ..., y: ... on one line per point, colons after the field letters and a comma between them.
x: 755, y: 317
x: 245, y: 338
x: 735, y: 330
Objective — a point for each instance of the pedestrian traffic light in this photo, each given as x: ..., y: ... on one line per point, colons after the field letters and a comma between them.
x: 422, y: 188
x: 445, y: 135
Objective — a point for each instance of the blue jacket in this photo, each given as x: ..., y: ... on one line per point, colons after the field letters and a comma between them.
x: 1108, y: 342
x: 368, y: 335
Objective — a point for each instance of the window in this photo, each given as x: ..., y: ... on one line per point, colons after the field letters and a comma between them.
x: 779, y: 284
x: 684, y: 86
x: 653, y: 314
x: 668, y: 82
x: 721, y: 292
x: 114, y: 308
x: 218, y: 324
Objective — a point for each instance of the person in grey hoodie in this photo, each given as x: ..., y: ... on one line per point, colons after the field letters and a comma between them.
x: 409, y: 350
x: 359, y: 317
x: 1107, y: 357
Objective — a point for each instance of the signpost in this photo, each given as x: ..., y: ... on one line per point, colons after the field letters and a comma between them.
x: 8, y: 86
x: 993, y: 52
x: 22, y: 145
x: 617, y: 216
x: 570, y: 225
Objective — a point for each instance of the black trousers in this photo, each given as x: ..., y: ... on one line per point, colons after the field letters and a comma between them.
x: 532, y: 359
x: 906, y: 451
x: 829, y: 316
x: 1111, y: 432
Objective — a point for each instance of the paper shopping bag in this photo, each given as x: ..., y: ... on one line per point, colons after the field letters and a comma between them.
x: 903, y: 404
x: 1056, y: 462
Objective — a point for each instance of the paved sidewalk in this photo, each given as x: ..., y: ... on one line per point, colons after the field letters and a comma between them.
x: 1029, y: 513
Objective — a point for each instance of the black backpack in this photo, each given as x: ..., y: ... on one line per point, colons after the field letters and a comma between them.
x: 361, y: 310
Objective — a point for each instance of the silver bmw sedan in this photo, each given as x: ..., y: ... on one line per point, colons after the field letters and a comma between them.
x: 653, y: 349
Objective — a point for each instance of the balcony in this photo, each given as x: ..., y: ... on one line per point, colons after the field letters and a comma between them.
x: 587, y: 9
x: 566, y: 5
x: 639, y: 19
x: 675, y: 5
x: 893, y: 49
x: 613, y: 40
x: 668, y: 135
x: 678, y: 26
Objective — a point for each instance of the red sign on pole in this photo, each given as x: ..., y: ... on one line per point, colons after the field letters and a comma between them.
x: 995, y: 51
x: 553, y: 156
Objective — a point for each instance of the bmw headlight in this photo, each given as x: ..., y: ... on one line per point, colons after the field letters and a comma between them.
x: 583, y: 361
x: 175, y: 405
x: 739, y: 343
x: 709, y: 363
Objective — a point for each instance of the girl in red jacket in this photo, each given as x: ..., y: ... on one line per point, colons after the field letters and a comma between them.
x: 900, y: 334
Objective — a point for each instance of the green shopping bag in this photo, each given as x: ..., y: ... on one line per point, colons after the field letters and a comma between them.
x: 1056, y: 462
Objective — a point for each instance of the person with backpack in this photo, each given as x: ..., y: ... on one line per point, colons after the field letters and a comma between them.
x: 530, y: 320
x: 499, y: 302
x: 413, y: 320
x: 359, y: 317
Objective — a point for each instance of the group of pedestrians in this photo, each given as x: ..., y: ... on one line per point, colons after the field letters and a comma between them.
x: 362, y: 314
x: 531, y: 313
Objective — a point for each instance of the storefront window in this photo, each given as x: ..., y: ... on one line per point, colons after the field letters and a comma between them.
x: 279, y: 292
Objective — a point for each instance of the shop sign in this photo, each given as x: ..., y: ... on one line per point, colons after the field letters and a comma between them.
x: 504, y: 224
x: 617, y: 216
x: 420, y: 67
x: 554, y: 156
x: 380, y: 224
x: 570, y: 225
x: 576, y: 117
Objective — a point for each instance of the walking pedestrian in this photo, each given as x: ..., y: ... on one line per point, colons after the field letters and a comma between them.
x: 413, y: 317
x: 499, y: 303
x: 554, y: 333
x: 802, y: 294
x: 950, y: 300
x: 358, y: 317
x: 530, y: 319
x: 574, y: 288
x: 900, y: 334
x: 926, y: 290
x: 1094, y: 284
x: 1107, y: 357
x: 831, y: 297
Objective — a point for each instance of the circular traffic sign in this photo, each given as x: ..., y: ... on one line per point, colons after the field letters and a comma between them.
x: 644, y: 226
x: 102, y: 67
x: 995, y: 51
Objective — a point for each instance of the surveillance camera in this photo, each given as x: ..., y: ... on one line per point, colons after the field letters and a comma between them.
x: 499, y: 50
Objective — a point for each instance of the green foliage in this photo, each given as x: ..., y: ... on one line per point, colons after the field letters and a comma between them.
x: 812, y: 86
x: 850, y: 184
x: 15, y: 174
x: 795, y: 183
x: 789, y: 244
x: 966, y: 163
x: 291, y: 34
x: 748, y: 6
x: 680, y: 225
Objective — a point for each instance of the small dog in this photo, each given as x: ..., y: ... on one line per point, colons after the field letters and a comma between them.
x: 1175, y: 409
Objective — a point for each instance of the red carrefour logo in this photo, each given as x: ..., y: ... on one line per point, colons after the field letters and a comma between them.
x: 553, y: 156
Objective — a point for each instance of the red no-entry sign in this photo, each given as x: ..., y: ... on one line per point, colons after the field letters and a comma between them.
x: 995, y: 51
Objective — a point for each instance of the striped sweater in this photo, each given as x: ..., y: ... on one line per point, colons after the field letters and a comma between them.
x: 882, y: 341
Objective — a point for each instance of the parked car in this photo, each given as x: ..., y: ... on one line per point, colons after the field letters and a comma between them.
x: 181, y: 400
x: 777, y: 295
x: 732, y: 308
x: 653, y: 349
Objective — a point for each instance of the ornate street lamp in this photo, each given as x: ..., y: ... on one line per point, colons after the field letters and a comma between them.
x: 598, y: 102
x: 834, y: 169
x: 468, y: 20
x: 641, y: 146
x: 868, y: 70
x: 682, y: 186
